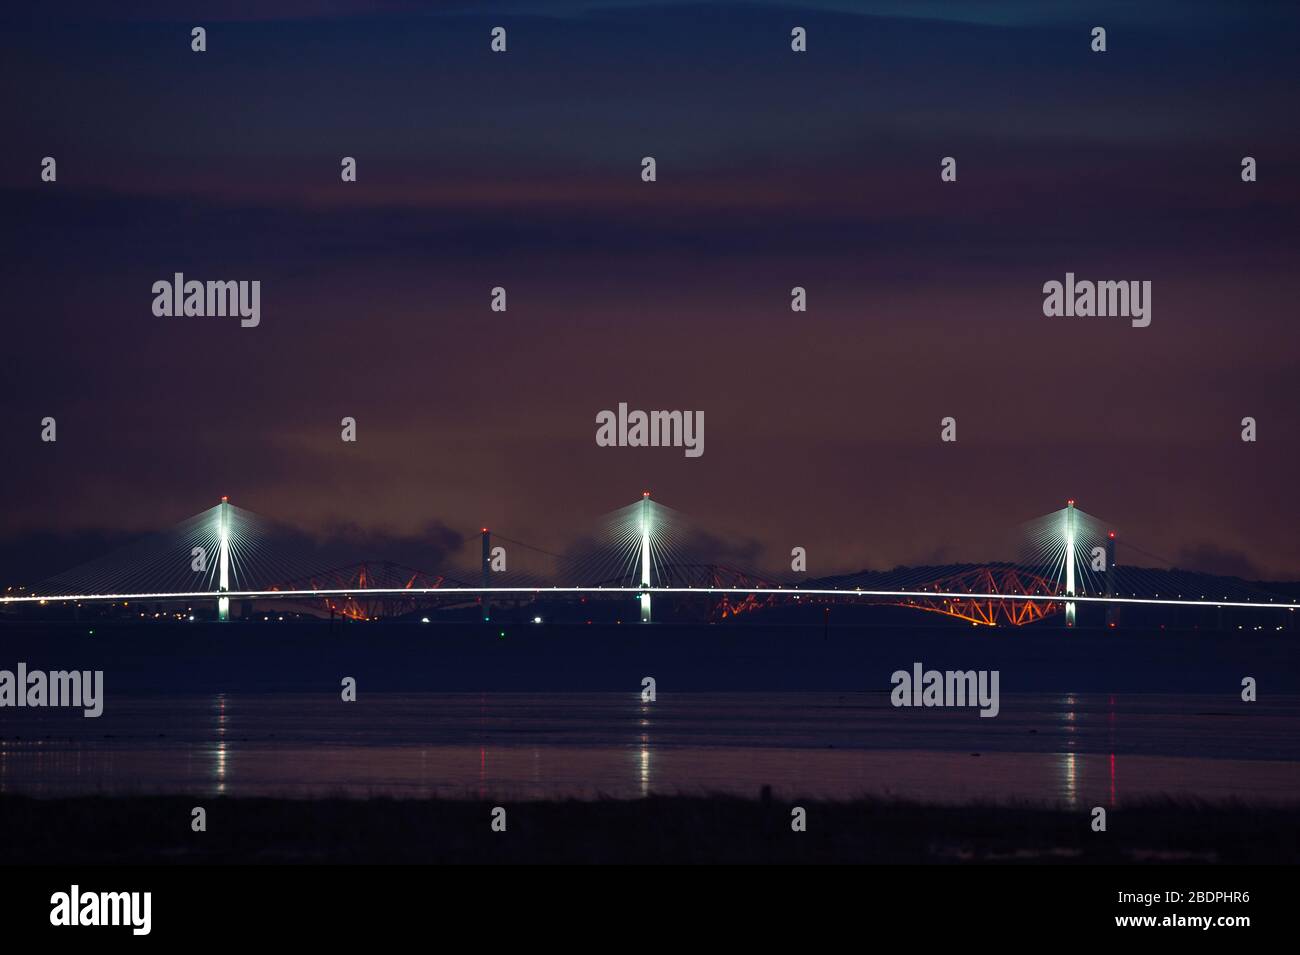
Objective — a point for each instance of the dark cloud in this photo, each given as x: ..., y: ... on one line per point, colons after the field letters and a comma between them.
x: 1210, y: 558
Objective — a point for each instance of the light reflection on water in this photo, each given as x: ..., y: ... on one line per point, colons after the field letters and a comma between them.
x: 1071, y: 778
x: 219, y: 764
x: 1041, y: 748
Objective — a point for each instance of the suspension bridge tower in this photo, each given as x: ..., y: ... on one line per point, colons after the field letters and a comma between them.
x: 1069, y: 561
x: 645, y: 555
x: 1112, y: 610
x: 223, y: 558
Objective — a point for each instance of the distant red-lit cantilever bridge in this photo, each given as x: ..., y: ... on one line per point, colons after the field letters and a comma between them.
x: 640, y: 553
x: 989, y: 595
x: 1005, y: 580
x: 375, y: 590
x: 371, y: 590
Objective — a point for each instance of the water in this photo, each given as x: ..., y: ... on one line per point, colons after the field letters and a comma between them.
x: 1042, y: 748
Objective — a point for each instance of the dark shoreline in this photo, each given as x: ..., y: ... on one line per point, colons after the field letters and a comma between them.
x: 151, y: 830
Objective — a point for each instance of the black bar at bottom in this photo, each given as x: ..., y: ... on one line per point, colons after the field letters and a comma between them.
x: 216, y: 904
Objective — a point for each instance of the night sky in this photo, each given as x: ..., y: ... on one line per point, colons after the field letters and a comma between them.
x: 775, y: 169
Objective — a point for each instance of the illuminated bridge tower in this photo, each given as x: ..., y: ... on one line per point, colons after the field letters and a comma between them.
x: 1112, y: 610
x: 1069, y: 562
x: 223, y: 558
x: 645, y: 555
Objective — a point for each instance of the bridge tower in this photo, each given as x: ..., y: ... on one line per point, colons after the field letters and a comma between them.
x: 1069, y: 562
x: 223, y: 558
x: 487, y: 575
x: 1112, y: 610
x: 645, y: 555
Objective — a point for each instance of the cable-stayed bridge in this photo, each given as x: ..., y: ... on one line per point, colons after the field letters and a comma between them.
x: 645, y: 552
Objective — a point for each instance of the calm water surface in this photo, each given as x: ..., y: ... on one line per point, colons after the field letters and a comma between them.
x: 1059, y: 749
